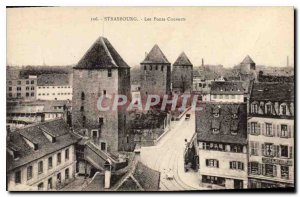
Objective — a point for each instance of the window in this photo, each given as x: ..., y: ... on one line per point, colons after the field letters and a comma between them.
x: 145, y: 67
x: 9, y: 88
x: 29, y: 172
x: 67, y: 174
x: 162, y: 68
x: 32, y: 94
x: 200, y: 85
x: 283, y: 109
x: 254, y: 168
x: 284, y: 131
x: 284, y: 150
x: 19, y: 82
x: 212, y: 163
x: 215, y: 130
x: 50, y: 184
x: 27, y: 88
x: 50, y: 163
x: 268, y: 109
x: 27, y: 94
x: 58, y: 158
x: 254, y: 108
x: 32, y: 82
x: 269, y: 131
x: 156, y: 67
x: 9, y: 94
x: 213, y: 180
x: 254, y: 148
x: 284, y: 170
x: 213, y: 146
x: 83, y: 121
x: 67, y: 154
x: 19, y: 88
x: 18, y: 177
x: 82, y: 96
x: 32, y: 88
x: 150, y: 67
x: 236, y: 148
x: 40, y: 167
x: 41, y: 186
x: 109, y: 72
x: 255, y: 128
x: 18, y: 94
x: 103, y: 146
x: 9, y: 83
x: 236, y: 165
x: 82, y: 108
x: 104, y: 92
x: 100, y: 121
x: 270, y: 170
x: 58, y: 177
x: 268, y: 150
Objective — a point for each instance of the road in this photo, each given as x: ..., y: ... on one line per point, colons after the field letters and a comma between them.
x: 167, y: 155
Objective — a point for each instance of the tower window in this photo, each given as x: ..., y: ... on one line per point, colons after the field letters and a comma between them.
x: 83, y: 121
x: 150, y: 67
x: 109, y: 72
x: 82, y: 108
x: 162, y: 68
x: 156, y: 67
x: 100, y: 120
x: 104, y: 92
x: 82, y: 96
x: 145, y: 67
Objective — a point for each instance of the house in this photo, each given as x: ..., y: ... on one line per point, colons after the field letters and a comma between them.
x: 40, y: 157
x: 21, y: 88
x: 227, y: 91
x: 54, y: 87
x: 222, y: 139
x: 271, y: 135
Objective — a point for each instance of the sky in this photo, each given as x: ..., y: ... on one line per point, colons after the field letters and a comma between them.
x: 219, y: 35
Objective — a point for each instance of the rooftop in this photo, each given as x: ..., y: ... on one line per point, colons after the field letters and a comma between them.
x: 272, y: 91
x: 227, y: 87
x: 155, y: 56
x: 101, y: 55
x: 247, y: 60
x: 36, y: 135
x: 231, y: 119
x: 182, y: 60
x: 54, y: 80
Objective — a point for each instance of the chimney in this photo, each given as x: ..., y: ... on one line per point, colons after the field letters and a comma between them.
x: 107, y: 174
x: 202, y: 62
x: 287, y: 61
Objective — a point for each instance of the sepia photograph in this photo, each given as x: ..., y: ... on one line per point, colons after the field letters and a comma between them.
x: 150, y: 99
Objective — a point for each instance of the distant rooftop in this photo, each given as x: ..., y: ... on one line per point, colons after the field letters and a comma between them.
x: 248, y: 60
x: 54, y: 80
x: 227, y: 87
x: 182, y: 60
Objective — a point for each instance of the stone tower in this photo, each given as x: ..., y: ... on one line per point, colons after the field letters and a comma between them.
x: 247, y: 69
x: 100, y: 72
x: 155, y: 74
x: 182, y: 75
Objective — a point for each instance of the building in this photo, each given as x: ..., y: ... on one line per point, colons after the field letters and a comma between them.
x: 227, y: 91
x: 155, y: 74
x: 40, y: 157
x: 222, y: 138
x: 182, y: 75
x: 54, y: 87
x: 271, y: 135
x: 21, y: 88
x: 101, y: 73
x: 247, y: 69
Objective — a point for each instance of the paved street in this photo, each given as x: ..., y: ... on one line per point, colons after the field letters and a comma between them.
x: 168, y: 156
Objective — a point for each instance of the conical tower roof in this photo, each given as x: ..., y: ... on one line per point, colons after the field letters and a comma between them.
x: 101, y: 55
x: 182, y: 60
x: 155, y: 56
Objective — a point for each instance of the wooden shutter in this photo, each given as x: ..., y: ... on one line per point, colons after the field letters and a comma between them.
x: 201, y: 145
x: 217, y: 163
x: 274, y: 130
x: 274, y: 149
x: 262, y: 128
x: 274, y: 171
x: 260, y: 168
x: 263, y: 170
x: 250, y: 147
x: 278, y: 131
x: 278, y: 150
x: 206, y: 161
x: 249, y: 127
x: 263, y: 150
x: 242, y: 165
x: 289, y: 131
x: 291, y: 152
x: 249, y: 167
x: 259, y: 126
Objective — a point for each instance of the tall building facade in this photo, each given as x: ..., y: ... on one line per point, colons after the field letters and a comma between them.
x: 182, y: 75
x: 101, y: 72
x: 222, y: 138
x: 21, y: 88
x: 155, y: 74
x: 271, y: 135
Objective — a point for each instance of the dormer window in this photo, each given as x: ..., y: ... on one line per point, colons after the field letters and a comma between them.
x: 268, y: 109
x: 283, y: 109
x: 234, y: 116
x: 215, y: 130
x: 254, y: 108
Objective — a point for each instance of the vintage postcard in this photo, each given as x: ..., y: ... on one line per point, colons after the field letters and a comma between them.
x: 150, y: 99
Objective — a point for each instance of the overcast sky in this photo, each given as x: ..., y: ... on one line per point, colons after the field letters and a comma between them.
x: 61, y: 36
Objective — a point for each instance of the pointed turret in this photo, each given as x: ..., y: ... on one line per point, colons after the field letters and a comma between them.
x: 155, y: 56
x: 182, y: 60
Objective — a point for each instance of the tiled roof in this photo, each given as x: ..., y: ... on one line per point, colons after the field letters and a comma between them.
x: 227, y: 87
x: 151, y: 120
x: 206, y: 121
x: 34, y: 133
x: 155, y: 56
x: 101, y: 55
x: 53, y: 80
x: 248, y: 60
x: 267, y: 91
x: 182, y: 60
